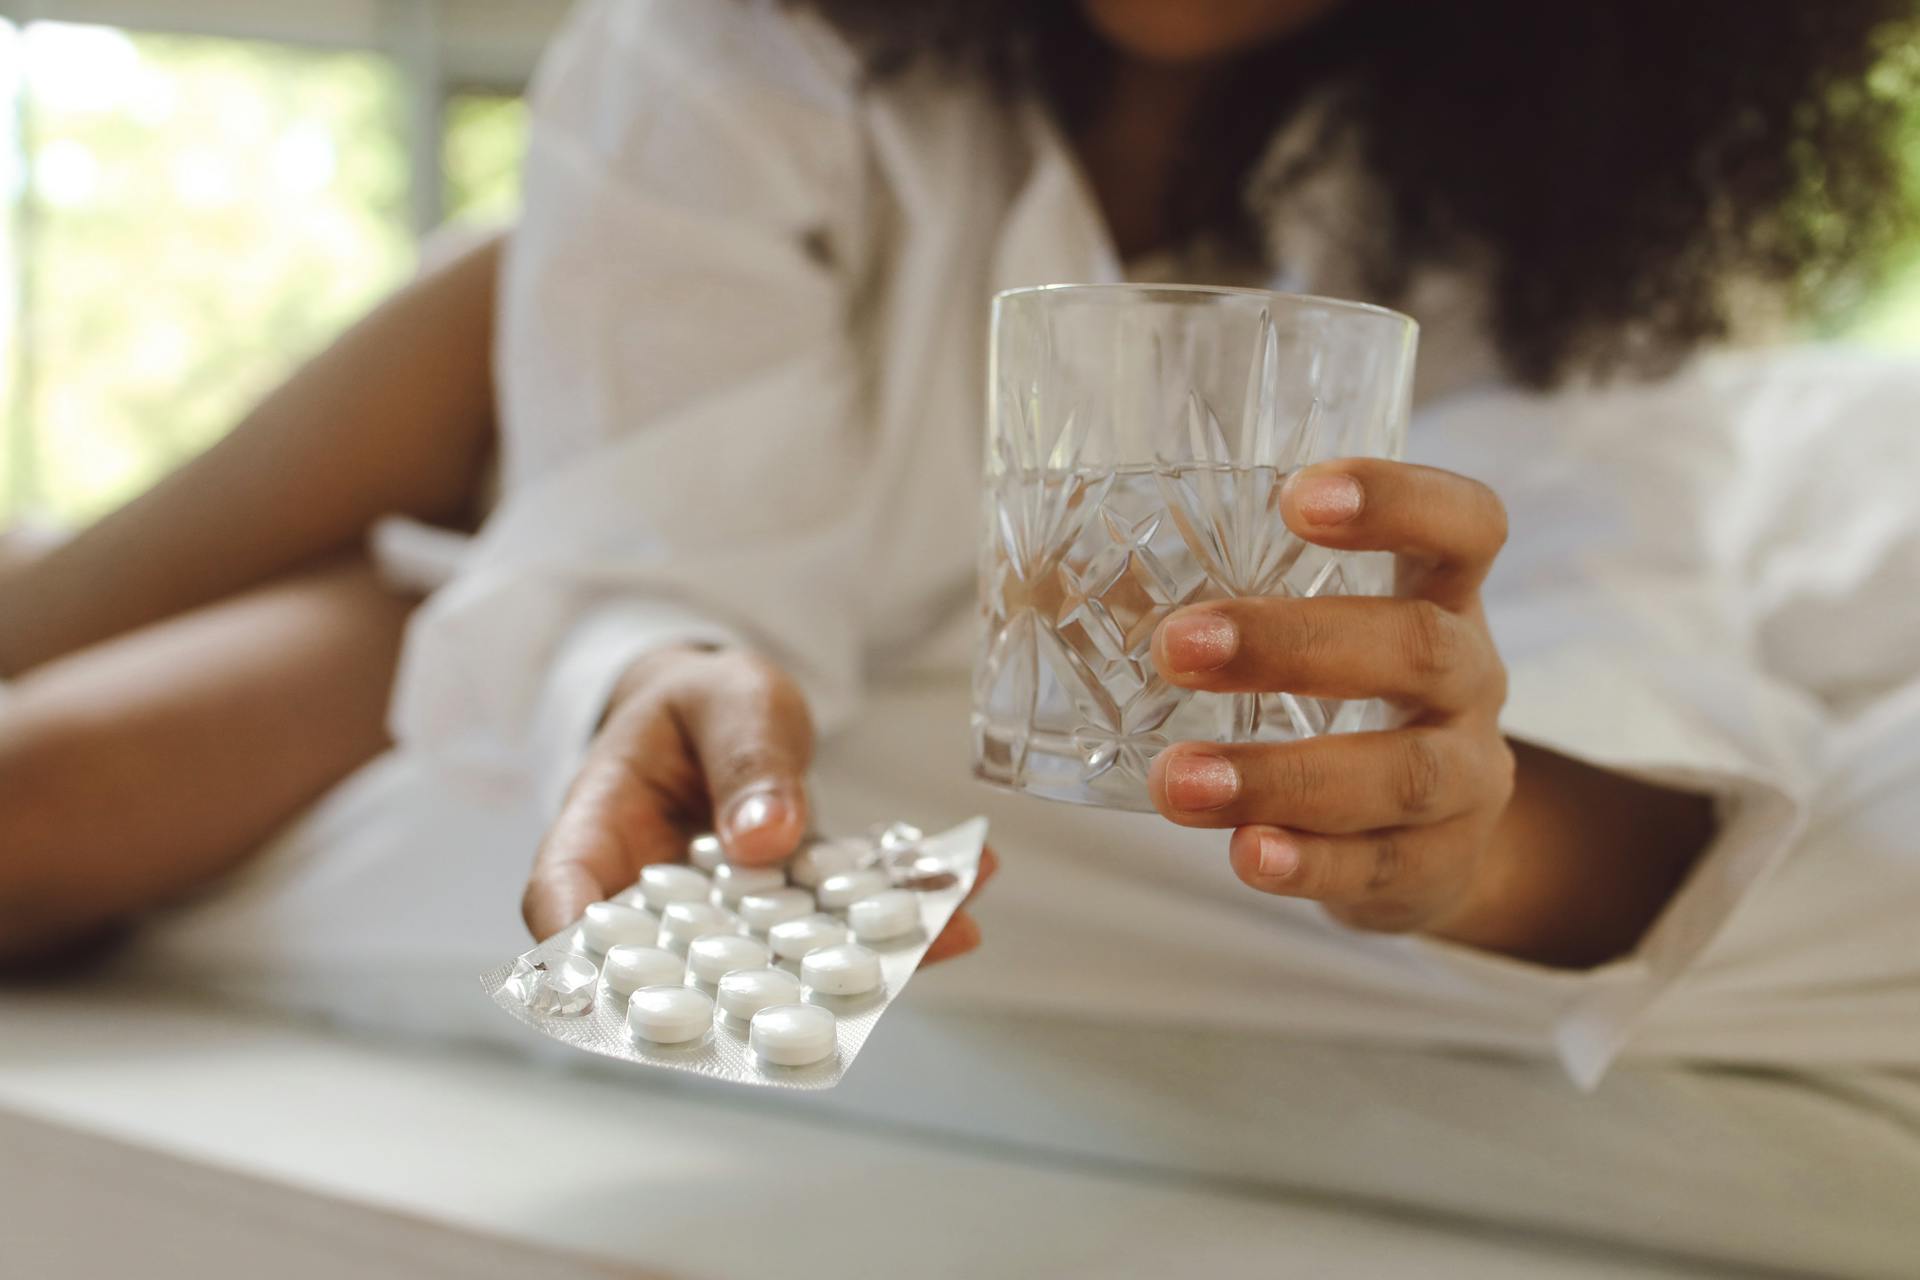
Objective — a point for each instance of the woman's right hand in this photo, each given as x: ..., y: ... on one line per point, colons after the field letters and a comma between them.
x: 693, y: 740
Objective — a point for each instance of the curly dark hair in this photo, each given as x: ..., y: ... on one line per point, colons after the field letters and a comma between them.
x: 1616, y: 162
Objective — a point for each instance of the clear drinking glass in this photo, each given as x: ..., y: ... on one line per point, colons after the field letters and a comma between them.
x: 1137, y: 440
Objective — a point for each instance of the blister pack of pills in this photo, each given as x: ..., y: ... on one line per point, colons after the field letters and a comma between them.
x: 768, y: 975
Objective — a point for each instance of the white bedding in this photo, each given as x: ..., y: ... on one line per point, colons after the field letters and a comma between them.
x: 255, y: 1147
x: 1319, y: 1072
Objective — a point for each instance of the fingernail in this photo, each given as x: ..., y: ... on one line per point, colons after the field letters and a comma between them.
x: 1199, y: 641
x: 1330, y: 498
x: 755, y: 810
x: 1279, y: 857
x: 1197, y: 782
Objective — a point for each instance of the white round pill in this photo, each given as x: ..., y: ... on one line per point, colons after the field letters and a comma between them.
x: 824, y: 858
x: 706, y: 853
x: 668, y: 882
x: 898, y: 837
x: 629, y: 968
x: 762, y: 911
x: 609, y: 924
x: 731, y: 883
x: 682, y: 922
x: 713, y: 957
x: 792, y: 939
x: 669, y: 1015
x: 893, y: 914
x: 846, y: 970
x: 792, y: 1035
x: 745, y: 992
x: 838, y: 892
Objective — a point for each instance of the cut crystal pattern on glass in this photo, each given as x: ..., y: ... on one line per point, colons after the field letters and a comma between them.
x: 557, y: 986
x: 1139, y: 443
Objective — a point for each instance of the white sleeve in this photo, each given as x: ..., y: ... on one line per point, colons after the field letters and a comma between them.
x: 1629, y: 646
x: 1829, y: 533
x: 681, y: 409
x: 1820, y: 967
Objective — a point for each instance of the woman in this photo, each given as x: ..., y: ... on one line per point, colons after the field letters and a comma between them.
x: 740, y: 338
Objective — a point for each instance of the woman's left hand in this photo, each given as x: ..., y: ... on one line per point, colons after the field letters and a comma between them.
x: 1389, y: 830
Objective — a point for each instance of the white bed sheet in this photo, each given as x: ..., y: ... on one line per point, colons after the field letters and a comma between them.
x: 479, y: 1147
x: 378, y: 909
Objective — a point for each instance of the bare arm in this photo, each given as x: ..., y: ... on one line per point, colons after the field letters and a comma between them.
x: 1581, y: 863
x: 394, y: 417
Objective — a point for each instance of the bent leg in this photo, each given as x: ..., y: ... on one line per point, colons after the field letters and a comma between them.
x: 135, y: 769
x: 395, y: 418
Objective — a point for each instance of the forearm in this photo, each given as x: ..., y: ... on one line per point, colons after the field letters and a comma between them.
x: 396, y: 416
x: 1580, y: 864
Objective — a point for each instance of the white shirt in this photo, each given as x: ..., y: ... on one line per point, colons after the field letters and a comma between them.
x: 741, y: 359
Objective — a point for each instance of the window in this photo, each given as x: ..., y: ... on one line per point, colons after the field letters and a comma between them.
x: 486, y: 136
x: 1892, y: 320
x: 195, y: 212
x: 202, y: 192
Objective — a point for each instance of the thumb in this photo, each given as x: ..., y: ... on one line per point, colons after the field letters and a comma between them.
x: 614, y: 821
x: 754, y: 739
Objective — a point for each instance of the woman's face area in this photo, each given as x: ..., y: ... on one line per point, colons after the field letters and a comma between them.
x: 1193, y: 31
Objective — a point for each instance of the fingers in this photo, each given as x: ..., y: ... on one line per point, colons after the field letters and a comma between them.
x: 1340, y: 783
x: 1450, y: 526
x: 1408, y: 651
x: 962, y: 933
x: 556, y: 895
x: 617, y: 818
x: 725, y: 728
x: 1390, y: 880
x: 750, y: 729
x: 989, y: 866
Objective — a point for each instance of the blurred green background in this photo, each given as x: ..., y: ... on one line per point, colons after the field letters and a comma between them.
x: 189, y: 215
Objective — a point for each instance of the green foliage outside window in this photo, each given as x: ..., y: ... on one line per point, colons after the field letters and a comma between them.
x: 1892, y: 318
x: 486, y: 136
x: 199, y: 213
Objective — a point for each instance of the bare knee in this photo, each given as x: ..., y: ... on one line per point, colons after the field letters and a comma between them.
x: 42, y: 783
